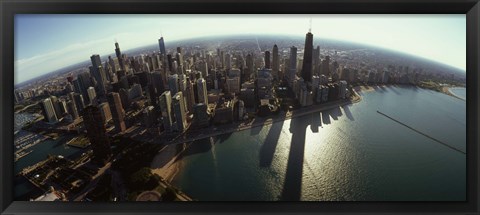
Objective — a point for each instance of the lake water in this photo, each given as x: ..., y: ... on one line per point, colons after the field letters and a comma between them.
x: 459, y: 91
x: 350, y: 153
x: 39, y: 152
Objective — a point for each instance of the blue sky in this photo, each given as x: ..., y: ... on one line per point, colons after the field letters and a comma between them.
x: 44, y: 43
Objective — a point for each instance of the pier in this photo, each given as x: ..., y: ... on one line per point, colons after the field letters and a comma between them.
x: 426, y: 135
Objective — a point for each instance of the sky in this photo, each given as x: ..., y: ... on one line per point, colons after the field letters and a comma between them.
x: 45, y: 43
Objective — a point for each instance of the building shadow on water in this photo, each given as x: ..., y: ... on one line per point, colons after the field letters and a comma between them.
x: 392, y: 88
x: 316, y: 122
x: 379, y: 89
x: 348, y: 113
x: 325, y: 118
x: 335, y: 113
x: 256, y: 130
x: 292, y: 187
x: 269, y: 146
x: 199, y: 146
x: 382, y: 88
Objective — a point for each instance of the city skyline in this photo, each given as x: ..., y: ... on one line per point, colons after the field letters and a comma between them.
x: 437, y: 37
x: 142, y: 114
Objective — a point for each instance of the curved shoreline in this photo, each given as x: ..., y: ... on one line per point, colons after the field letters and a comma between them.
x: 170, y: 170
x: 447, y: 91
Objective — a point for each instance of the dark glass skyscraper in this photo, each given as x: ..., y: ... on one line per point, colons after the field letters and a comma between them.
x: 267, y: 60
x: 161, y: 44
x: 307, y: 58
x: 118, y: 53
x: 275, y: 61
x: 96, y: 132
x: 99, y: 74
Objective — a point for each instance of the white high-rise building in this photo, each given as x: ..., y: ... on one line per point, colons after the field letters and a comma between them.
x: 49, y: 111
x: 180, y: 113
x: 165, y: 101
x: 91, y: 94
x: 202, y: 91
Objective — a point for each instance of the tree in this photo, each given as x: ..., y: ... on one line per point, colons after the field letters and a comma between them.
x: 143, y: 179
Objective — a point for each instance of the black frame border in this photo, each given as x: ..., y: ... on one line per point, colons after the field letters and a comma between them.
x: 8, y: 8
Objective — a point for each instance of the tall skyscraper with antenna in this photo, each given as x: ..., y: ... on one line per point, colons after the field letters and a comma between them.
x: 308, y: 56
x: 118, y: 53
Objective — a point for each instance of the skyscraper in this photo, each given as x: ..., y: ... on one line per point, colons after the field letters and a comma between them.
x: 326, y: 66
x: 190, y: 96
x: 56, y: 106
x: 267, y: 60
x: 116, y: 109
x: 228, y: 61
x: 49, y: 111
x: 307, y: 58
x: 165, y: 102
x: 275, y: 62
x: 173, y: 83
x: 118, y: 53
x: 99, y: 74
x: 72, y: 109
x: 316, y: 61
x: 79, y: 102
x: 202, y: 91
x: 170, y: 63
x: 180, y: 113
x: 179, y: 57
x: 92, y: 95
x: 157, y: 82
x: 293, y: 64
x: 250, y: 67
x: 96, y: 132
x: 84, y: 82
x: 161, y: 44
x: 106, y: 112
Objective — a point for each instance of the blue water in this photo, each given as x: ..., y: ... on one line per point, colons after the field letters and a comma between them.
x: 350, y: 153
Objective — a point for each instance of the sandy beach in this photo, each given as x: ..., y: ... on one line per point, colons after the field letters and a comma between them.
x: 165, y: 163
x: 363, y: 88
x: 446, y: 90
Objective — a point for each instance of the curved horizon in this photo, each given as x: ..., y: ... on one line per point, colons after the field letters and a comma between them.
x: 74, y: 44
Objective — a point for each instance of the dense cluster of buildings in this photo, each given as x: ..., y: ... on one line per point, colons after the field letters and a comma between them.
x: 171, y: 91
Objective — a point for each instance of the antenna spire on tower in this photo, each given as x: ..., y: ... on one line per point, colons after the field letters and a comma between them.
x: 310, y: 29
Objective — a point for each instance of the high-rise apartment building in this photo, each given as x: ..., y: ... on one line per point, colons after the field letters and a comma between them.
x: 307, y: 58
x: 117, y: 111
x: 96, y: 132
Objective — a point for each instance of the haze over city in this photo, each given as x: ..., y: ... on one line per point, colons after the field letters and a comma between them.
x: 63, y: 40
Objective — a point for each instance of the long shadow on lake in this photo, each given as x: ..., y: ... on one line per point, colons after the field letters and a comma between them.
x: 325, y: 117
x: 199, y: 146
x: 292, y: 186
x: 224, y: 137
x: 316, y: 122
x: 335, y: 113
x: 392, y: 88
x: 379, y: 89
x: 269, y: 146
x: 348, y: 113
x: 256, y: 130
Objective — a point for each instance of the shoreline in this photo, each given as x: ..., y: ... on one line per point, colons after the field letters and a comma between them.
x: 447, y: 91
x: 166, y: 163
x: 171, y: 168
